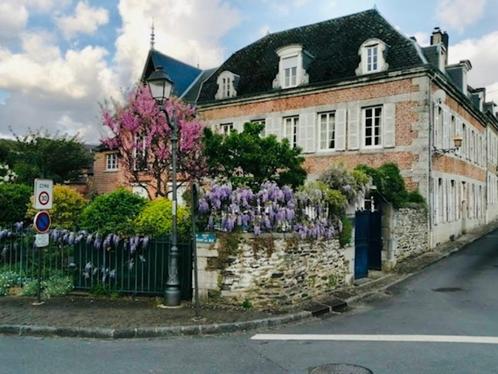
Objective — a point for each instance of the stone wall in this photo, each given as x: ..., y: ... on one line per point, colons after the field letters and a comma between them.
x: 274, y: 272
x: 405, y: 233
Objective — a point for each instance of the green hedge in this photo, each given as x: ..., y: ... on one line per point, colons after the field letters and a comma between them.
x: 14, y: 200
x: 114, y: 212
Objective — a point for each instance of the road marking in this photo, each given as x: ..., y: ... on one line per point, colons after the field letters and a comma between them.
x: 382, y: 338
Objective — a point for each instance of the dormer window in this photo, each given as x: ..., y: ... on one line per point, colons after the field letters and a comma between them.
x: 227, y: 83
x: 372, y: 53
x: 294, y: 61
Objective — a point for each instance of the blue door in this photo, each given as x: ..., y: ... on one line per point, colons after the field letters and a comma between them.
x: 361, y: 224
x: 368, y: 243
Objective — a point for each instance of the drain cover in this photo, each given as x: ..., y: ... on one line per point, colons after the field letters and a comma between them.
x: 340, y: 369
x: 448, y: 289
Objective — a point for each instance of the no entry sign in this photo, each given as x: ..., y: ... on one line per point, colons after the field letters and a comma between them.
x: 43, y: 194
x: 42, y: 221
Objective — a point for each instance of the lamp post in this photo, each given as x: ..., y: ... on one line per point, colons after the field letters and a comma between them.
x: 457, y: 141
x: 160, y: 86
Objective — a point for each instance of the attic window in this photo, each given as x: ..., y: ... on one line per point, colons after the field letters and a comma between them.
x: 292, y: 66
x: 227, y: 84
x: 372, y: 53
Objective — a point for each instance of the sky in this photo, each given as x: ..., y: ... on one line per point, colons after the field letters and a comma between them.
x: 61, y: 60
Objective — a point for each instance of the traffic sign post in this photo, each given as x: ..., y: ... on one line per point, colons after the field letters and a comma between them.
x: 41, y: 223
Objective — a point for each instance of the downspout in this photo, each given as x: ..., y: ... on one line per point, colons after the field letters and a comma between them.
x: 430, y: 182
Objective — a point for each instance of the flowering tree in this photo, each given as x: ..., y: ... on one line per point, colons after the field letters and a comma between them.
x: 142, y: 136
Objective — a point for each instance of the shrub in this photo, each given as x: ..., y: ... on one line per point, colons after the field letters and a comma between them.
x: 55, y: 285
x: 113, y: 212
x: 338, y: 178
x: 415, y: 197
x: 155, y: 219
x: 8, y: 279
x: 13, y: 201
x: 67, y: 207
x: 346, y: 233
x: 317, y: 192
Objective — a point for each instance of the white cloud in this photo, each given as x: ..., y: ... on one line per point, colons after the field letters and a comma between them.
x: 86, y: 20
x: 44, y: 86
x: 13, y: 18
x: 423, y: 38
x: 189, y: 30
x: 482, y: 54
x: 458, y: 14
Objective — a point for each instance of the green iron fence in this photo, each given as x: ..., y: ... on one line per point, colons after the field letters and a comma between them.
x: 142, y: 272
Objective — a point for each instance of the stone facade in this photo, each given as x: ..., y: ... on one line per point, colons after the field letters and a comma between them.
x: 405, y: 234
x: 275, y: 272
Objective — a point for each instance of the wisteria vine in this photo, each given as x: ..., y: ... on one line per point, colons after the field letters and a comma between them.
x: 271, y: 209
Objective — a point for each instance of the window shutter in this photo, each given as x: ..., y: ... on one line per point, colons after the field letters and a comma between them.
x: 388, y: 128
x: 435, y: 197
x: 446, y: 128
x: 354, y: 127
x: 274, y: 126
x: 445, y: 201
x: 306, y: 132
x: 340, y: 129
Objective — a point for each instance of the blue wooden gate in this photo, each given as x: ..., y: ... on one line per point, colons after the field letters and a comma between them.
x: 368, y: 243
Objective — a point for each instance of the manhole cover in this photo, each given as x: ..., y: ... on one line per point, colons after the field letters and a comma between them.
x: 448, y: 289
x: 340, y: 369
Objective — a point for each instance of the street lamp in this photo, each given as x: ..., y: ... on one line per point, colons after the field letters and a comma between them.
x: 160, y: 86
x: 457, y: 142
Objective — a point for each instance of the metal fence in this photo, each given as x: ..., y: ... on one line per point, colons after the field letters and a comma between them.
x: 143, y: 272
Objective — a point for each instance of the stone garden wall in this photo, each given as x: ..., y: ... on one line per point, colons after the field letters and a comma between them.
x: 272, y: 272
x: 405, y: 233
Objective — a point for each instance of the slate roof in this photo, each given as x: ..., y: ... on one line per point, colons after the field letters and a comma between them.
x: 333, y: 43
x: 182, y: 74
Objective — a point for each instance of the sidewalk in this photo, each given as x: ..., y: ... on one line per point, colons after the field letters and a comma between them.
x: 127, y: 317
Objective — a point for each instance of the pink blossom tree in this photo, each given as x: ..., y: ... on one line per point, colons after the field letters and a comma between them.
x: 139, y: 132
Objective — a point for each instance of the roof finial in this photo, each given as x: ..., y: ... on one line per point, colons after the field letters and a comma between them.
x: 152, y: 35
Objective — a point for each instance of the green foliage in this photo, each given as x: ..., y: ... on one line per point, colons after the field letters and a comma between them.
x: 55, y: 285
x: 113, y: 212
x: 318, y: 192
x: 415, y: 197
x: 8, y: 279
x: 14, y: 199
x: 67, y: 207
x: 391, y: 185
x: 349, y: 184
x: 248, y: 158
x: 155, y: 219
x: 246, y: 304
x: 346, y: 233
x: 37, y: 154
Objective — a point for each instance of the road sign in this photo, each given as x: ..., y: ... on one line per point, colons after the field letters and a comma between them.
x: 42, y: 221
x: 205, y: 237
x: 43, y: 194
x: 41, y: 240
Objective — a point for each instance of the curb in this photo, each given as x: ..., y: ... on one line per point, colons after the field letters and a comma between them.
x: 150, y: 332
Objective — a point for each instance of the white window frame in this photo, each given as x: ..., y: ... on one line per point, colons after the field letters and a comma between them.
x: 293, y: 121
x: 260, y: 121
x: 226, y: 128
x: 226, y: 85
x: 329, y: 115
x: 292, y: 75
x: 364, y: 126
x: 366, y: 52
x: 111, y: 161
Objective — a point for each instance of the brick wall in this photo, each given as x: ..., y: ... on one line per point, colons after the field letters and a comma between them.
x: 103, y: 180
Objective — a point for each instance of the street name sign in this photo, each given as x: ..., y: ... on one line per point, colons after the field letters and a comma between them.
x: 43, y: 194
x: 205, y: 237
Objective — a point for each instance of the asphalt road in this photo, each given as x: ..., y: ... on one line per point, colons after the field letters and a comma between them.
x: 457, y: 296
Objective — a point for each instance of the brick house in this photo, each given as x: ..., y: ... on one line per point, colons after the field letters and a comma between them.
x: 354, y: 90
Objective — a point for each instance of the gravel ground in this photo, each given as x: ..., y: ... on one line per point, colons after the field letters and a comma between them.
x: 124, y: 312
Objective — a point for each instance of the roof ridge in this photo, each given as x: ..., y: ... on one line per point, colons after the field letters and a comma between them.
x: 175, y: 59
x: 320, y: 22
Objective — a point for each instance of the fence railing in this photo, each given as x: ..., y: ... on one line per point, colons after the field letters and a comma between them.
x: 143, y: 271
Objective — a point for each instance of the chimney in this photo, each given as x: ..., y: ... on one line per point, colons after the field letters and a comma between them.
x: 442, y: 39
